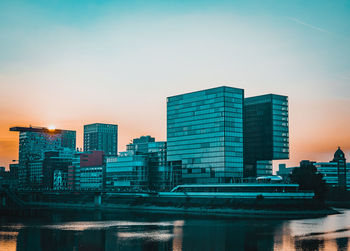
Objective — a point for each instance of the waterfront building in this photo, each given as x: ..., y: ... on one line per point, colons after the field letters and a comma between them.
x: 263, y: 168
x: 266, y: 132
x: 340, y: 160
x: 101, y: 137
x: 14, y: 171
x: 5, y: 177
x: 87, y: 171
x: 285, y: 172
x: 9, y: 178
x: 55, y: 168
x: 159, y: 171
x: 205, y: 133
x: 143, y: 166
x: 35, y: 172
x: 127, y: 172
x: 33, y: 142
x: 329, y: 171
x: 140, y: 145
x: 91, y: 170
x: 336, y: 173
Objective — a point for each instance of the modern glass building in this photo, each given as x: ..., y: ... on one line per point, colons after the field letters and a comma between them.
x: 205, y: 132
x: 127, y: 172
x: 33, y: 143
x: 266, y: 131
x: 143, y: 166
x: 101, y: 137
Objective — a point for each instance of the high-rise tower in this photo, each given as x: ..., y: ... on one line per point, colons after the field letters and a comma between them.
x: 101, y: 137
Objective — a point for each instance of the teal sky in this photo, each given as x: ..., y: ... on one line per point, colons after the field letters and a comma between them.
x: 69, y: 63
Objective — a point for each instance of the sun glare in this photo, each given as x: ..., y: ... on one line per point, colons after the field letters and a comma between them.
x: 51, y: 128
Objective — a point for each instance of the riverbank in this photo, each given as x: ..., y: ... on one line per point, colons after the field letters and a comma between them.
x: 153, y: 204
x: 190, y: 211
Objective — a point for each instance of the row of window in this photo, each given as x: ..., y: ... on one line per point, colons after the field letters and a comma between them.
x: 183, y: 107
x: 208, y: 152
x: 234, y: 117
x: 200, y: 95
x: 230, y: 116
x: 214, y: 165
x: 184, y: 113
x: 202, y: 131
x: 205, y: 109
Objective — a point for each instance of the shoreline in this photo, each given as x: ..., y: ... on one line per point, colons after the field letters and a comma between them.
x: 188, y: 211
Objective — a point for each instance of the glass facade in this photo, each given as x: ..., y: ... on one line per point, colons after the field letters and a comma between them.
x: 33, y: 143
x: 143, y: 167
x: 205, y: 132
x: 127, y: 172
x: 101, y: 137
x: 266, y: 130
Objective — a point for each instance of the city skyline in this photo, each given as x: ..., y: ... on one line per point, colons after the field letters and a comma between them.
x: 116, y: 63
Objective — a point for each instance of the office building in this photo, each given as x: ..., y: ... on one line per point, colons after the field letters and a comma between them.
x: 87, y: 171
x: 143, y: 166
x: 33, y: 142
x: 55, y: 168
x: 336, y: 173
x: 140, y: 145
x: 285, y: 171
x: 92, y: 170
x: 101, y: 137
x: 127, y: 172
x: 263, y: 168
x: 266, y: 132
x: 205, y: 132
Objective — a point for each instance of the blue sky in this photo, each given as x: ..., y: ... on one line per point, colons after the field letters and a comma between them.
x: 74, y: 62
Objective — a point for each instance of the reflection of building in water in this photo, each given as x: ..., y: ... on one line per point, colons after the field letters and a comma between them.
x: 37, y: 238
x: 320, y: 242
x: 8, y: 240
x: 29, y: 239
x: 178, y: 235
x: 283, y: 239
x: 309, y: 244
x: 342, y: 243
x: 228, y: 235
x: 96, y: 232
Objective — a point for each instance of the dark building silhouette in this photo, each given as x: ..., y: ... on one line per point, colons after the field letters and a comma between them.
x: 101, y: 137
x: 55, y: 168
x: 33, y: 143
x: 266, y: 131
x: 339, y: 158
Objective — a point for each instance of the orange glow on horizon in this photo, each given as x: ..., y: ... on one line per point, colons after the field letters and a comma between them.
x: 316, y: 128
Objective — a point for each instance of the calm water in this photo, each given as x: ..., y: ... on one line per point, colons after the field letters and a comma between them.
x: 121, y: 231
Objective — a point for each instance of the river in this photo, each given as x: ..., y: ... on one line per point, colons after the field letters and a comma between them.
x: 84, y: 230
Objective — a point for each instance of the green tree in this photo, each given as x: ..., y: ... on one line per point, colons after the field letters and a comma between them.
x: 308, y: 179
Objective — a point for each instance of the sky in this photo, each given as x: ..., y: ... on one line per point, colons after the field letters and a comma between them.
x: 70, y: 63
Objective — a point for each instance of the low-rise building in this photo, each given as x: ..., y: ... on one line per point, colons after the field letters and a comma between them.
x: 143, y: 166
x: 336, y: 173
x: 87, y: 171
x: 127, y: 172
x: 263, y: 168
x: 285, y: 172
x: 55, y: 168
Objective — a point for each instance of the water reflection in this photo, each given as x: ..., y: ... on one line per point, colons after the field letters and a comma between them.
x: 98, y: 231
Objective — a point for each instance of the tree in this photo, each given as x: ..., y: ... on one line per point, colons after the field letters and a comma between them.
x: 309, y: 179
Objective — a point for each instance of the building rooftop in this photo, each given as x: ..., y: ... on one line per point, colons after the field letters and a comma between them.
x: 38, y: 129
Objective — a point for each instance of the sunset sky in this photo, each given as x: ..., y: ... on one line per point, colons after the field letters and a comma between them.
x: 70, y: 63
